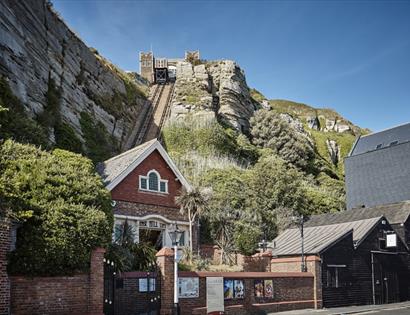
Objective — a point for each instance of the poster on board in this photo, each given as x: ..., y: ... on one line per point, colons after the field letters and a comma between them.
x: 188, y: 287
x: 268, y: 285
x: 238, y: 289
x: 258, y: 288
x: 228, y: 289
x: 215, y: 294
x: 143, y: 284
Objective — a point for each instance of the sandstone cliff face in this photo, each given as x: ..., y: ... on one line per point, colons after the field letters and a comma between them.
x: 36, y: 45
x: 216, y: 89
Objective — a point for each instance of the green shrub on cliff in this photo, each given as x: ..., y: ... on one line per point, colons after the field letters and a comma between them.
x: 100, y: 144
x: 62, y: 204
x: 14, y: 122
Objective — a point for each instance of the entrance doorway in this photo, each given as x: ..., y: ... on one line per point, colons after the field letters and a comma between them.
x: 153, y: 237
x: 386, y: 278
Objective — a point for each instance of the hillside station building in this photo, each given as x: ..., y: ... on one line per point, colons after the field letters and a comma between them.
x: 144, y: 182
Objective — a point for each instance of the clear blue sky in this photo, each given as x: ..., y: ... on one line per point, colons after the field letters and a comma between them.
x: 353, y: 56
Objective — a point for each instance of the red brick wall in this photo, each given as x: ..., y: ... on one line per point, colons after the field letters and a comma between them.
x: 4, y: 280
x: 293, y: 264
x: 292, y: 290
x: 128, y: 190
x: 50, y: 295
x: 79, y: 294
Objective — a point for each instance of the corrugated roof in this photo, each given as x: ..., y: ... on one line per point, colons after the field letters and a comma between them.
x: 395, y: 213
x: 319, y: 238
x: 378, y: 177
x: 383, y: 139
x: 112, y: 168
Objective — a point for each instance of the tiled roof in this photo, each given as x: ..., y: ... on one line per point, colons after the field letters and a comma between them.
x: 383, y: 139
x: 319, y: 238
x: 395, y: 213
x: 378, y: 177
x: 112, y: 168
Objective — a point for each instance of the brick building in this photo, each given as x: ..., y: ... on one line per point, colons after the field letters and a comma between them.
x: 144, y: 183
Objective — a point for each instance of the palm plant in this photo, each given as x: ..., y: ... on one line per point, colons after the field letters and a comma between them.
x: 193, y: 203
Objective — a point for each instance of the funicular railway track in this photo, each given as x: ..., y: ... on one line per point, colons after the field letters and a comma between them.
x: 166, y: 112
x: 160, y: 110
x: 156, y: 97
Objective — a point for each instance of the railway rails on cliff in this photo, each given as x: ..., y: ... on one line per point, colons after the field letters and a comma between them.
x: 155, y: 117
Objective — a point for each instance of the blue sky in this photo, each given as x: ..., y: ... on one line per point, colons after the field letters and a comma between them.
x: 352, y: 56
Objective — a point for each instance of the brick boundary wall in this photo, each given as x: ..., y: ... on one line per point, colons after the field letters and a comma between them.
x: 80, y: 294
x: 257, y: 262
x: 292, y: 290
x: 4, y: 279
x: 314, y: 266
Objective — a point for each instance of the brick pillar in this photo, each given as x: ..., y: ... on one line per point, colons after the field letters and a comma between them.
x: 316, y: 269
x: 4, y: 279
x: 165, y: 261
x: 96, y: 303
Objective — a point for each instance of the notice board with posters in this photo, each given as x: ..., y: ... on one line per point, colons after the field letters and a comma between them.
x: 215, y: 294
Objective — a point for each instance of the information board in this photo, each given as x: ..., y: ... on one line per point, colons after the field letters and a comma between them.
x: 188, y: 287
x: 215, y: 294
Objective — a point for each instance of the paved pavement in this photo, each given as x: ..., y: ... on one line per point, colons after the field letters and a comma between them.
x: 388, y: 309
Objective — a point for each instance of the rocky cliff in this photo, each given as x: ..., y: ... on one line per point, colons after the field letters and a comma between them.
x: 214, y: 89
x: 37, y: 48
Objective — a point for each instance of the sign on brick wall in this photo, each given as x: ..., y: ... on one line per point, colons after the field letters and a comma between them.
x: 215, y: 294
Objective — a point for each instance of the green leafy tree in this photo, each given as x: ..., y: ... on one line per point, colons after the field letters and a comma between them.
x: 269, y: 130
x: 276, y: 193
x: 62, y: 204
x: 228, y: 214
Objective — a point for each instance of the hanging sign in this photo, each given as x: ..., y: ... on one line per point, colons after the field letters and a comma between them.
x: 391, y: 240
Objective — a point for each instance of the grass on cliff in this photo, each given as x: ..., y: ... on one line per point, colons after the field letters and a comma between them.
x: 344, y: 140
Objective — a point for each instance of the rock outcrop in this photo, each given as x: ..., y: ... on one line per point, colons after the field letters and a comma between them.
x: 216, y: 89
x: 36, y: 46
x: 334, y: 151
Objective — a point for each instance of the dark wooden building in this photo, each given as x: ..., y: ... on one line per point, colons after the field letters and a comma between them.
x: 363, y: 261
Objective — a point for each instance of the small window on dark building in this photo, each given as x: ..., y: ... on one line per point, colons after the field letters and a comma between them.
x: 382, y: 243
x: 336, y: 276
x: 394, y: 143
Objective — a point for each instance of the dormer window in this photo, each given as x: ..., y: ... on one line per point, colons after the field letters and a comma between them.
x: 153, y: 182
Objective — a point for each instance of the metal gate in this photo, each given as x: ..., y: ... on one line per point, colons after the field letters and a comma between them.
x: 109, y: 287
x: 131, y: 293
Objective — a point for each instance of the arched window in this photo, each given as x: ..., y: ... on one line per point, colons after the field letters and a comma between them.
x: 153, y: 182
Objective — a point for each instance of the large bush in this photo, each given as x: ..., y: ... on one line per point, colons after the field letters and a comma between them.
x: 62, y: 205
x: 269, y: 130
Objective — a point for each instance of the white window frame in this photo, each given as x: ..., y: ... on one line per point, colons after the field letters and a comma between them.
x: 159, y: 183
